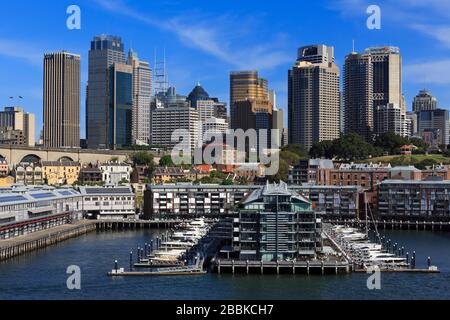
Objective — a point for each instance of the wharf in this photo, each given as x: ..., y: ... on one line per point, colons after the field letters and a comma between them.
x: 17, y: 246
x: 394, y: 224
x: 402, y: 270
x: 157, y: 273
x: 280, y: 267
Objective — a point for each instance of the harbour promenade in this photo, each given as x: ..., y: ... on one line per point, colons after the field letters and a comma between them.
x: 17, y: 246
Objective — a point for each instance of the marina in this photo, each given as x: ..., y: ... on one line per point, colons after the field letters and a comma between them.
x: 365, y: 254
x: 182, y: 251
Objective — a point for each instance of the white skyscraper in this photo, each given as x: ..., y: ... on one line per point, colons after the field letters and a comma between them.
x: 142, y: 92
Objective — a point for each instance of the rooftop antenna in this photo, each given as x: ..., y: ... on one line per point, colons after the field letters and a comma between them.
x: 353, y: 45
x: 161, y: 78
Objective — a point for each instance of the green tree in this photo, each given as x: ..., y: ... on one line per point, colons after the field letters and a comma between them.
x: 390, y: 142
x: 166, y: 161
x: 298, y: 149
x: 143, y: 158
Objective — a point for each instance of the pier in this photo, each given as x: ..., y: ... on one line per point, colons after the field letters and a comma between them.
x: 280, y: 267
x: 114, y: 225
x: 34, y: 241
x: 392, y: 224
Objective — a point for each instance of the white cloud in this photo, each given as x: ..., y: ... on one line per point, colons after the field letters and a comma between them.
x: 23, y: 51
x: 440, y: 33
x: 436, y: 72
x: 215, y: 38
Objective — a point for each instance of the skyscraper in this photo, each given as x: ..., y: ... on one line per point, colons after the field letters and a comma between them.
x: 373, y: 83
x: 424, y: 101
x: 142, y: 92
x: 105, y: 50
x: 316, y: 54
x: 313, y: 97
x: 62, y: 100
x: 120, y: 112
x: 387, y: 75
x: 246, y: 85
x: 434, y: 121
x: 358, y: 95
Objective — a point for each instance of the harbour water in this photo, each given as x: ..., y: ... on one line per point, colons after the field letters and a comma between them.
x: 42, y: 275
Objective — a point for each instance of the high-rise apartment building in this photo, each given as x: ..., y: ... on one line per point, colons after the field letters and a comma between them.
x: 411, y: 123
x: 18, y: 120
x: 142, y: 92
x: 165, y: 121
x: 388, y: 118
x: 435, y: 121
x: 313, y: 97
x: 120, y: 111
x: 278, y: 124
x: 358, y: 95
x: 62, y: 100
x: 424, y: 101
x: 105, y: 51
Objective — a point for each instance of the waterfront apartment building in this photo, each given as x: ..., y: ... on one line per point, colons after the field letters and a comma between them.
x: 142, y: 92
x: 358, y: 95
x: 120, y: 111
x: 19, y: 120
x: 104, y: 52
x: 424, y: 101
x: 112, y: 203
x: 189, y: 200
x: 314, y: 97
x: 61, y: 100
x: 414, y: 200
x: 274, y: 223
x: 31, y: 209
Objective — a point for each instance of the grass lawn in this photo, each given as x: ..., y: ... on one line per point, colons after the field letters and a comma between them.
x: 407, y: 160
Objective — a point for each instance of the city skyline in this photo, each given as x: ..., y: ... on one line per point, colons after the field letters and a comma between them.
x: 211, y: 65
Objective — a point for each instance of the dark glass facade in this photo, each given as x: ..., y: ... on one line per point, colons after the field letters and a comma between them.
x: 120, y: 109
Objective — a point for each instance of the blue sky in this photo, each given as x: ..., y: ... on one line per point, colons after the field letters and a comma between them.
x: 205, y: 40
